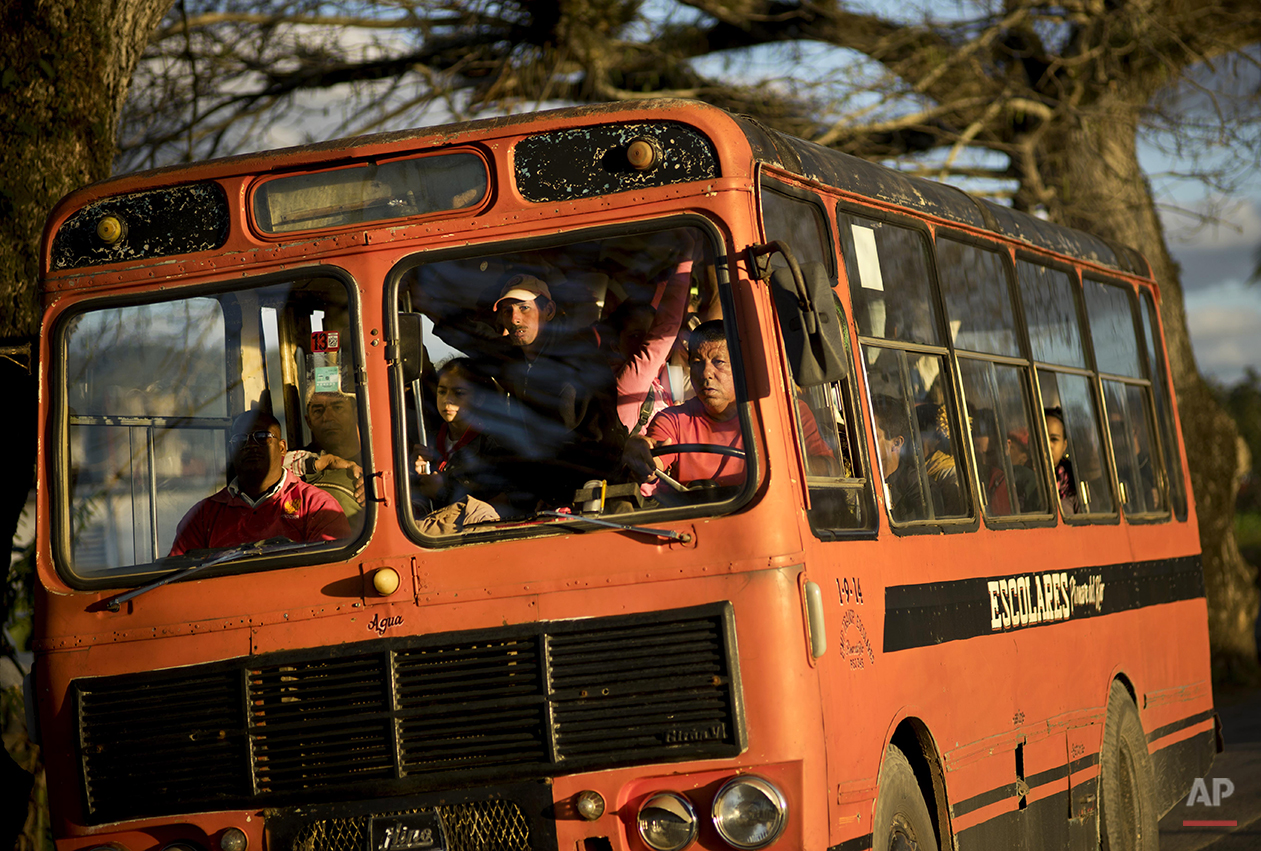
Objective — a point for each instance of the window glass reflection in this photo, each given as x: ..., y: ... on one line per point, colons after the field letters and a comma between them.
x: 1112, y: 328
x: 889, y: 281
x: 978, y: 302
x: 1051, y: 314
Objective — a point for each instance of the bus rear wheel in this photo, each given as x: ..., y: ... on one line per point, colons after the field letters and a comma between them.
x: 902, y: 822
x: 1127, y: 800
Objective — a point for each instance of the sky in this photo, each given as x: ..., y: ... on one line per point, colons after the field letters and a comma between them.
x: 1223, y: 308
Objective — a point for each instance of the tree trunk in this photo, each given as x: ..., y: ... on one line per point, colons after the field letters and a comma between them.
x: 1099, y: 187
x: 65, y: 66
x: 64, y: 75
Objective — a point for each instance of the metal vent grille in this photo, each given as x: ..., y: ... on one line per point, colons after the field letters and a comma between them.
x: 622, y: 691
x: 179, y: 737
x: 480, y: 704
x: 400, y: 716
x: 318, y: 723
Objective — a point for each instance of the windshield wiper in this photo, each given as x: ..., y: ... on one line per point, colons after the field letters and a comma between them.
x: 668, y: 534
x: 251, y: 550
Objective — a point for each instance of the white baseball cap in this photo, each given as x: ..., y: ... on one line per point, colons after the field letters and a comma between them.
x: 523, y: 288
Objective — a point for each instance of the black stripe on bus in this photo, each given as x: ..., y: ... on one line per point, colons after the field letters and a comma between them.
x: 1189, y: 721
x: 858, y: 843
x: 937, y: 612
x: 1033, y: 781
x: 1049, y: 776
x: 993, y: 796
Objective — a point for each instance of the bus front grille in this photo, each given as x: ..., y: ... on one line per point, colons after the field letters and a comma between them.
x: 404, y: 715
x: 479, y: 826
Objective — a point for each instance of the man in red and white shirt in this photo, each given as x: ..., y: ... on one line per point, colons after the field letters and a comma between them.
x: 264, y: 500
x: 710, y: 418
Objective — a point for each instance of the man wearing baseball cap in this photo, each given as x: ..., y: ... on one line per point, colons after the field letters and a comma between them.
x: 562, y: 425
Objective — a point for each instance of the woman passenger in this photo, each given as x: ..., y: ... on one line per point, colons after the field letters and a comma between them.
x: 460, y: 465
x: 1065, y: 481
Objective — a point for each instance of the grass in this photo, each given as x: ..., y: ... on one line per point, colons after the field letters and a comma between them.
x: 1248, y: 533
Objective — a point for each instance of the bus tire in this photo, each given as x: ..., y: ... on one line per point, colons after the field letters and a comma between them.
x: 1128, y: 820
x: 902, y: 822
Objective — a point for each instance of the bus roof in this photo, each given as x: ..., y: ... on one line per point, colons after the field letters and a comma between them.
x: 805, y: 159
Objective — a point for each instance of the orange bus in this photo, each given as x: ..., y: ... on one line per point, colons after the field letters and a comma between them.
x: 625, y: 478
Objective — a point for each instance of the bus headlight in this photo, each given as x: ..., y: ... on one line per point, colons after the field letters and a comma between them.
x: 750, y: 813
x: 667, y: 822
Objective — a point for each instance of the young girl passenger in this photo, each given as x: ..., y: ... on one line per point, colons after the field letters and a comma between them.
x: 458, y: 468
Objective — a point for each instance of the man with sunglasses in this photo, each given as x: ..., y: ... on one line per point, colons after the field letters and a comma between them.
x: 264, y: 500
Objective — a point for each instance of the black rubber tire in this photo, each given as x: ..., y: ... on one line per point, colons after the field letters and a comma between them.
x: 1128, y: 820
x: 902, y: 822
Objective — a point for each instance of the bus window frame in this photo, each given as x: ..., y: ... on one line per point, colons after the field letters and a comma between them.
x: 1089, y: 372
x: 1149, y: 303
x: 1028, y: 370
x: 1145, y: 380
x: 776, y: 182
x: 252, y: 228
x: 846, y: 207
x: 57, y: 429
x: 724, y: 261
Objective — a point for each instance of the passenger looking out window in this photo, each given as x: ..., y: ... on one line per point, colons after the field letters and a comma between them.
x: 1065, y: 480
x: 1028, y: 494
x: 903, y: 491
x: 263, y: 501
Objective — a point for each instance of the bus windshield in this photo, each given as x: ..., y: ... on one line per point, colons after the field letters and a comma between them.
x: 151, y: 394
x: 540, y: 364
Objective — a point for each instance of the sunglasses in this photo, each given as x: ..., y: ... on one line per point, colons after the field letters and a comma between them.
x: 253, y: 437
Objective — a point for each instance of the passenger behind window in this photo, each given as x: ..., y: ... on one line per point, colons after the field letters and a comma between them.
x: 264, y: 501
x: 1029, y: 498
x: 939, y: 458
x: 561, y: 426
x: 903, y: 491
x: 998, y: 496
x: 1065, y: 480
x: 458, y: 474
x: 643, y: 335
x: 332, y: 461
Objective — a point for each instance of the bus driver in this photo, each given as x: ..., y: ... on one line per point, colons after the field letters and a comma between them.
x: 708, y: 418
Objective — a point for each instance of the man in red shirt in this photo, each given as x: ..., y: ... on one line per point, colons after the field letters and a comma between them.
x: 264, y: 500
x: 710, y: 418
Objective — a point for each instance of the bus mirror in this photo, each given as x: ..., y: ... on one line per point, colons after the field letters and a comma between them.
x: 810, y: 323
x: 411, y: 345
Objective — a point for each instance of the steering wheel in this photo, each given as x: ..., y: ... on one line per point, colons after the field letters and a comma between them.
x: 712, y: 448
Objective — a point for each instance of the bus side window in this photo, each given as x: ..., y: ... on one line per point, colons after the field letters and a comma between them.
x: 908, y: 375
x: 977, y: 296
x: 1079, y: 465
x: 828, y: 433
x: 1164, y: 418
x: 1126, y: 394
x: 829, y: 438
